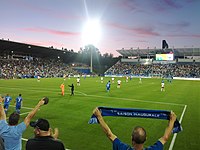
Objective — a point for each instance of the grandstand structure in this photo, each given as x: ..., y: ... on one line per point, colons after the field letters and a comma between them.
x: 18, y: 58
x: 167, y: 63
x: 144, y: 53
x: 189, y: 55
x: 21, y: 60
x: 11, y: 49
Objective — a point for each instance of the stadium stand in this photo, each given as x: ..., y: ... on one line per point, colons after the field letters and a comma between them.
x: 10, y: 68
x: 155, y: 70
x: 142, y: 62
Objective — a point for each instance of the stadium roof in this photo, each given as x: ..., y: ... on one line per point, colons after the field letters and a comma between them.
x: 14, y: 48
x: 145, y: 52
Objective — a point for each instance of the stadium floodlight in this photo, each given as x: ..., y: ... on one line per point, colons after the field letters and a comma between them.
x: 91, y: 33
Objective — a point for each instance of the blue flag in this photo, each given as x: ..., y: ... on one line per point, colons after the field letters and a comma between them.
x: 140, y: 113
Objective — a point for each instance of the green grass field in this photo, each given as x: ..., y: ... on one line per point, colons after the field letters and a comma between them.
x: 72, y: 113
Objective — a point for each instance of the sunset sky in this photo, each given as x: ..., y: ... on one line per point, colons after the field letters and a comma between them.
x: 124, y: 23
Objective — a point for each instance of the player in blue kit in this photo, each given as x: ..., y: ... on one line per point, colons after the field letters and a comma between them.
x: 18, y: 103
x: 7, y: 101
x: 108, y: 86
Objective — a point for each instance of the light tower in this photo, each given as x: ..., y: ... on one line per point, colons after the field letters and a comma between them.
x: 90, y: 36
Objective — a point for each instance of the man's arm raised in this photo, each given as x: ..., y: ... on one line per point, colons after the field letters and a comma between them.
x: 169, y: 128
x: 104, y: 126
x: 2, y: 112
x: 33, y: 112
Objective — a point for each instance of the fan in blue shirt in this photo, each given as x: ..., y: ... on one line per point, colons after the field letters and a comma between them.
x: 11, y: 132
x: 138, y: 135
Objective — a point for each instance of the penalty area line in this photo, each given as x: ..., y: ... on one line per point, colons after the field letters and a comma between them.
x: 22, y: 107
x: 24, y: 113
x: 137, y: 100
x: 174, y: 137
x: 81, y: 93
x: 21, y: 114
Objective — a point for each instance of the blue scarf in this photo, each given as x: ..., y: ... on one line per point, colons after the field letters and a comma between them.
x: 140, y: 113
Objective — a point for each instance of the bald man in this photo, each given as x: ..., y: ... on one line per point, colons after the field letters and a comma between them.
x: 138, y: 135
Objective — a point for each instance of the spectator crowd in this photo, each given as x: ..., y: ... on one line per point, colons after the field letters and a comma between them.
x: 10, y: 68
x: 162, y: 70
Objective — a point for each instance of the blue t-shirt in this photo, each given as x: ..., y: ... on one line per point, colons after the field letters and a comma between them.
x: 18, y: 101
x: 7, y: 100
x: 118, y: 145
x: 108, y: 86
x: 12, y: 135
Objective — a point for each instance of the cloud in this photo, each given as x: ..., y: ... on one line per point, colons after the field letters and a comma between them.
x: 171, y: 3
x: 54, y: 32
x: 27, y: 5
x: 183, y: 24
x: 142, y: 41
x: 165, y: 5
x: 184, y: 35
x: 177, y: 27
x: 42, y: 10
x: 141, y: 31
x: 128, y: 4
x: 148, y: 31
x: 168, y: 5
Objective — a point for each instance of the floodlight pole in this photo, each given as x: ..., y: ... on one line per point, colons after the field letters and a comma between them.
x: 91, y: 60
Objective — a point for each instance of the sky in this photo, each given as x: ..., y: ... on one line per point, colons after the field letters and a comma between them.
x: 124, y: 23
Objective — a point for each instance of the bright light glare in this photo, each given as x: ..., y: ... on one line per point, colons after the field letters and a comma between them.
x: 91, y: 33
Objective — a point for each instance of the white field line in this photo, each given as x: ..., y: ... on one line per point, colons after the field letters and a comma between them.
x: 22, y: 107
x: 137, y: 100
x: 24, y: 113
x: 81, y: 93
x: 127, y: 99
x: 21, y: 114
x: 23, y: 139
x: 174, y: 137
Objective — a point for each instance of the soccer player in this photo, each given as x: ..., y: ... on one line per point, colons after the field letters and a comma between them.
x: 140, y: 79
x: 118, y: 83
x: 131, y: 77
x: 108, y: 86
x: 38, y: 78
x: 170, y: 79
x: 126, y: 79
x: 78, y: 81
x: 18, y: 103
x: 162, y: 86
x: 62, y: 86
x: 7, y: 101
x: 72, y: 89
x: 113, y: 80
x: 101, y: 79
x: 64, y: 77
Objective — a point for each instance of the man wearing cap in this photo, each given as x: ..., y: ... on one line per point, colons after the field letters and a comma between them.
x: 44, y: 140
x: 11, y: 132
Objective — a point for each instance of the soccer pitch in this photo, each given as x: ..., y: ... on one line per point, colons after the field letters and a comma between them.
x: 72, y: 113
